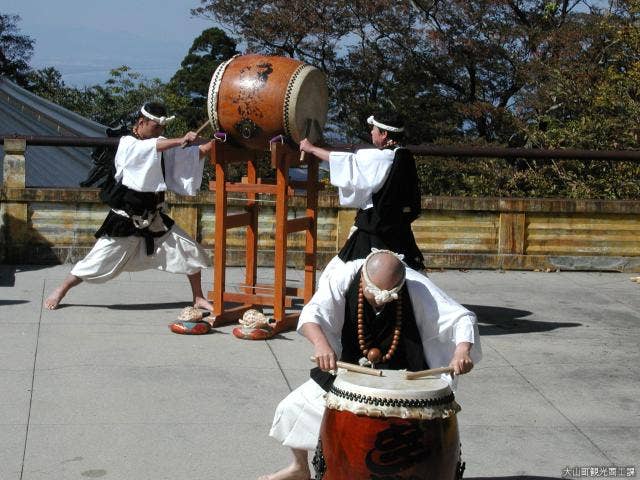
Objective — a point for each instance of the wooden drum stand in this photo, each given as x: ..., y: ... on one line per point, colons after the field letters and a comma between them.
x: 278, y: 296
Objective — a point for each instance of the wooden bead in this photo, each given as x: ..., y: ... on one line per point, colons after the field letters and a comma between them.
x: 374, y: 355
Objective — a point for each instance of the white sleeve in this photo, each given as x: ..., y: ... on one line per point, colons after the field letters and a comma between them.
x: 443, y: 323
x: 138, y: 165
x: 326, y: 307
x: 183, y: 169
x: 359, y: 175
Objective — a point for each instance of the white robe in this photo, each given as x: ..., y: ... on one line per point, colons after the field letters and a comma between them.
x: 174, y: 252
x: 441, y: 321
x: 138, y: 165
x: 359, y: 175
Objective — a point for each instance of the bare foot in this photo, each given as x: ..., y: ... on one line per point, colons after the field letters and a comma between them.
x: 200, y: 302
x: 53, y: 300
x: 292, y: 472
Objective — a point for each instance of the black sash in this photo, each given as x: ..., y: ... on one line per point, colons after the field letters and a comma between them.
x: 136, y: 204
x: 142, y: 205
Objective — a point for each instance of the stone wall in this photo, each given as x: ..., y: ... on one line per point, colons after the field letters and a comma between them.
x: 40, y: 226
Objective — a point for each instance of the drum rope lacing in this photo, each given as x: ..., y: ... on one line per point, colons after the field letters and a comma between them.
x: 287, y: 98
x: 393, y: 402
x: 213, y: 92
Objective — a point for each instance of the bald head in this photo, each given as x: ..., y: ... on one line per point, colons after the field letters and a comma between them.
x: 385, y: 270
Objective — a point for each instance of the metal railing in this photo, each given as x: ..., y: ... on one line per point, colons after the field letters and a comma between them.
x: 420, y: 150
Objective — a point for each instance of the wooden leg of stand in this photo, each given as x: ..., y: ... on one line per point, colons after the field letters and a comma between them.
x: 312, y: 232
x: 280, y: 256
x: 220, y: 244
x: 252, y: 230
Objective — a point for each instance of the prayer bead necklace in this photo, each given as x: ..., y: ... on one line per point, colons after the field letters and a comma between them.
x: 374, y: 354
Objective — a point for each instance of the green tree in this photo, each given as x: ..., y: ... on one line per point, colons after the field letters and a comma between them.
x: 15, y: 49
x: 590, y: 99
x: 454, y: 67
x: 47, y: 83
x: 191, y: 81
x: 114, y: 102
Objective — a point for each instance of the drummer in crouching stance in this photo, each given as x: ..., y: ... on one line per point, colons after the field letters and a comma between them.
x: 371, y: 311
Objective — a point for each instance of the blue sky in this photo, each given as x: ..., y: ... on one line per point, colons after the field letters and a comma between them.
x: 84, y: 39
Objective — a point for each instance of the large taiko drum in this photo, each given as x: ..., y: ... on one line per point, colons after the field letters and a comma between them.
x: 254, y: 98
x: 389, y: 427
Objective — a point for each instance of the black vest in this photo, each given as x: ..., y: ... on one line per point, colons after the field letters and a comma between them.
x: 409, y: 354
x: 387, y: 225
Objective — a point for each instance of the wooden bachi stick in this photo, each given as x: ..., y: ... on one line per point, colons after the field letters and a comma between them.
x: 355, y: 368
x: 198, y: 132
x: 428, y: 373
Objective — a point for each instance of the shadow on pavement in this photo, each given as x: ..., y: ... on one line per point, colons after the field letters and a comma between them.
x: 129, y: 306
x: 8, y: 273
x: 12, y: 302
x: 503, y: 321
x: 146, y: 306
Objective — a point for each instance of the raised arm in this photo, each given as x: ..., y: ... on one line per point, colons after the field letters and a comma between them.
x: 321, y: 153
x: 189, y: 138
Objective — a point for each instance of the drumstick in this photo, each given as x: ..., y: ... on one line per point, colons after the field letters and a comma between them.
x: 355, y: 368
x: 307, y: 129
x: 198, y: 132
x: 427, y: 373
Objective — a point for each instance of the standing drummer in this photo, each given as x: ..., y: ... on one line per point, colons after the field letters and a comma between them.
x: 137, y: 234
x: 382, y: 183
x: 374, y: 310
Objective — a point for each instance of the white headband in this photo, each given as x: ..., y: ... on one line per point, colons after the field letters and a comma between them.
x: 381, y: 296
x: 161, y: 120
x: 373, y: 121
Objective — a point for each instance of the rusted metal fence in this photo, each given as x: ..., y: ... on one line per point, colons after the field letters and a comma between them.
x: 427, y: 150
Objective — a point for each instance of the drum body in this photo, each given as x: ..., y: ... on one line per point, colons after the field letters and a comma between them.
x: 377, y: 427
x: 254, y: 98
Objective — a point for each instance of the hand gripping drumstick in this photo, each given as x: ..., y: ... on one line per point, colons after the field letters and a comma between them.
x: 356, y: 368
x: 307, y: 129
x: 198, y: 132
x: 428, y: 373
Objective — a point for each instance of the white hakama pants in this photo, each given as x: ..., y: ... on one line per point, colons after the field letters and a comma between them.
x: 175, y: 252
x: 296, y: 423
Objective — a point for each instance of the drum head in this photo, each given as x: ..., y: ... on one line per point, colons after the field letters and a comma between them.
x: 392, y: 395
x: 306, y: 103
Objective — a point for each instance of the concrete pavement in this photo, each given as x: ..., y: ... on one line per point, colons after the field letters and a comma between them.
x: 100, y: 388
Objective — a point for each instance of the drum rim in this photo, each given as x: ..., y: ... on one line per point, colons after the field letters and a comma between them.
x: 393, y: 403
x: 388, y: 401
x: 347, y: 381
